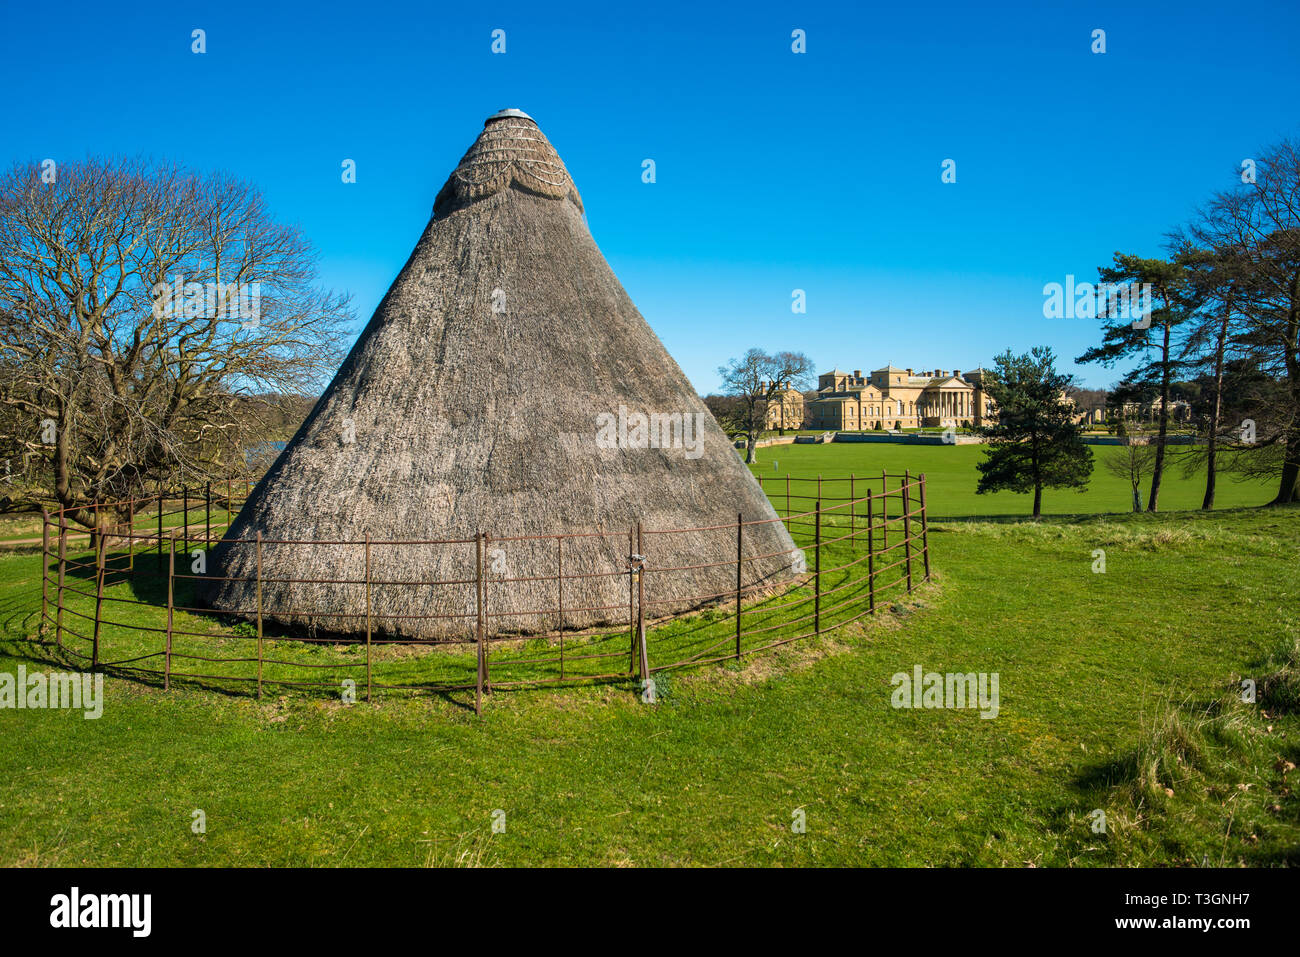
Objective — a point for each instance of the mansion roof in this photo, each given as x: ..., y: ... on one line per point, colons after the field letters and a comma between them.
x: 937, y: 380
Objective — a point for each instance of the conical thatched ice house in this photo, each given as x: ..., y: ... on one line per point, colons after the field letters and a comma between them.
x: 497, y: 389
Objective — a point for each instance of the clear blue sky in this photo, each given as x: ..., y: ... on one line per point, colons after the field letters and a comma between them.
x: 776, y: 171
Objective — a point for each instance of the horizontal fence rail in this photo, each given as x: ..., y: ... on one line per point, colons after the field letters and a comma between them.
x: 128, y: 603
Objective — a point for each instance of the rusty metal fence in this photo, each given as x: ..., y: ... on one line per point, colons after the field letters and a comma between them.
x: 122, y: 602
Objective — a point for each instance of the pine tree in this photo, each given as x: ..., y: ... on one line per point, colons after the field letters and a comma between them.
x: 1035, y: 443
x: 1125, y: 338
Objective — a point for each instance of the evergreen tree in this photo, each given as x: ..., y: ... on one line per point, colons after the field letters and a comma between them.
x: 1035, y: 443
x: 1125, y: 337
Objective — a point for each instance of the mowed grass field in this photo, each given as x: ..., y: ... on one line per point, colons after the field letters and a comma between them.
x: 1119, y: 693
x: 951, y: 479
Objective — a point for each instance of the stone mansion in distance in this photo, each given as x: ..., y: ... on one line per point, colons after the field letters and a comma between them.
x: 890, y: 398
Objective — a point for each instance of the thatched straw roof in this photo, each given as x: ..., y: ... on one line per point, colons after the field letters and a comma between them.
x: 511, y: 151
x: 470, y: 402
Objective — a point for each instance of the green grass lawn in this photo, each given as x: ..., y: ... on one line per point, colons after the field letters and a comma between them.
x: 1118, y: 692
x: 951, y: 479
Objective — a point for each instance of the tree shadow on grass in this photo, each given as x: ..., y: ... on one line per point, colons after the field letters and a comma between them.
x: 20, y: 613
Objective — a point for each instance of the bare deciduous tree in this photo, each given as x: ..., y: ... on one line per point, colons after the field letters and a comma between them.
x: 1136, y: 461
x: 1255, y: 227
x: 143, y: 311
x: 756, y: 380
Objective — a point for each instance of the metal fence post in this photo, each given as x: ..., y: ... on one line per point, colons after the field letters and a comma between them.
x: 787, y: 501
x: 884, y: 514
x: 643, y: 660
x: 631, y: 599
x: 479, y: 625
x: 171, y: 600
x: 45, y: 570
x: 871, y: 556
x: 853, y: 514
x: 487, y: 604
x: 907, y: 525
x: 368, y: 685
x: 63, y: 567
x: 817, y: 572
x: 559, y: 589
x: 99, y: 596
x: 259, y: 616
x: 207, y: 515
x: 740, y: 531
x: 925, y: 531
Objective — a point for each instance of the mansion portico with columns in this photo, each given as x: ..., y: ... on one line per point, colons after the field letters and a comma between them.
x: 893, y: 398
x: 889, y: 398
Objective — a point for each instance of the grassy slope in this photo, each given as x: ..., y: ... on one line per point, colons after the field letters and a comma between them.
x: 714, y: 772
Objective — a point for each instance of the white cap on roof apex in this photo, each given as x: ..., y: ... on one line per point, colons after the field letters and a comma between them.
x: 509, y: 111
